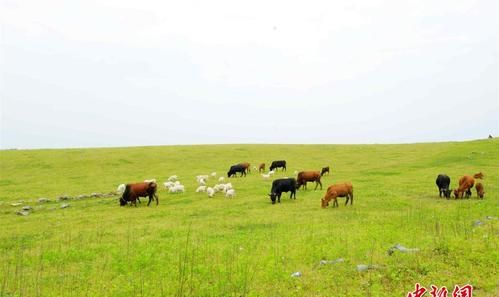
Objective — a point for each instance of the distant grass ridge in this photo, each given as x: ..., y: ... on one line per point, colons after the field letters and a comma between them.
x: 191, y: 245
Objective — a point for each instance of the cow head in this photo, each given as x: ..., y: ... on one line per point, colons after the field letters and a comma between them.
x: 122, y: 201
x: 447, y: 193
x: 272, y: 197
x: 324, y: 203
x: 456, y: 193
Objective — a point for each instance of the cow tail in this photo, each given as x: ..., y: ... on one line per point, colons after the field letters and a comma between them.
x: 154, y: 188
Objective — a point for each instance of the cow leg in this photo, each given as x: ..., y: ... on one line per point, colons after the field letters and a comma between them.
x: 351, y: 199
x: 335, y: 203
x: 150, y: 199
x: 157, y: 199
x: 279, y: 198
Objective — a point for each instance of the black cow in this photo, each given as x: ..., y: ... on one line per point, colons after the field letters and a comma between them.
x: 282, y: 185
x: 236, y: 168
x: 443, y: 182
x: 278, y: 164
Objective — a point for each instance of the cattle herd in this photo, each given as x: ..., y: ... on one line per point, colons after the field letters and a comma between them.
x: 131, y: 193
x: 465, y: 185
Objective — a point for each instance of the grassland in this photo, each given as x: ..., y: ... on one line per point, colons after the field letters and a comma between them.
x: 191, y: 245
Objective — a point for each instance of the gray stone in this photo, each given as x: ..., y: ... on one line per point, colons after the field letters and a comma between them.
x: 296, y: 274
x: 477, y: 223
x: 326, y: 262
x: 364, y: 267
x: 27, y: 208
x: 401, y: 248
x: 16, y: 204
x: 65, y: 205
x: 43, y: 200
x: 22, y: 213
x: 61, y: 198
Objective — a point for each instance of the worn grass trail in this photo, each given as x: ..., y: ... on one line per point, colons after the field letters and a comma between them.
x: 191, y: 245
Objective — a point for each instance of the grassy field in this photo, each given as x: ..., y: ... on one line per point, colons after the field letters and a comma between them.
x: 191, y: 245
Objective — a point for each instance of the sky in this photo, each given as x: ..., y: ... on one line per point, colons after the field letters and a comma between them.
x: 133, y: 73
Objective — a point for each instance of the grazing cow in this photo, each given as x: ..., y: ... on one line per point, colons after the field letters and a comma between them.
x: 308, y: 176
x: 479, y: 190
x: 325, y: 170
x: 261, y: 168
x: 278, y: 164
x: 338, y: 190
x: 246, y: 166
x: 443, y: 182
x: 478, y: 175
x: 236, y: 168
x: 134, y: 191
x: 465, y: 184
x: 282, y: 185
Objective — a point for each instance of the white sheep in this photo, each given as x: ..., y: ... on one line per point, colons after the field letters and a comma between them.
x: 265, y: 176
x: 221, y: 179
x: 121, y: 188
x: 219, y: 188
x: 213, y: 174
x: 202, y: 182
x: 230, y: 193
x: 201, y: 189
x: 177, y: 183
x: 228, y: 186
x: 172, y: 178
x: 271, y: 172
x: 177, y: 189
x: 168, y: 184
x: 200, y: 177
x: 210, y: 192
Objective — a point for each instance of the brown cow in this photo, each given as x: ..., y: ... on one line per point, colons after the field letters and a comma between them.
x: 246, y: 166
x: 465, y: 184
x: 479, y: 190
x: 134, y: 191
x: 338, y: 190
x: 308, y: 176
x: 324, y: 170
x: 478, y: 175
x: 261, y: 168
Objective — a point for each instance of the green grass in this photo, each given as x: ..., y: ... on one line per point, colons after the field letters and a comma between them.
x: 191, y: 245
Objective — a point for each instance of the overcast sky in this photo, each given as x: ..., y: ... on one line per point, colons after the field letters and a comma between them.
x: 127, y: 73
